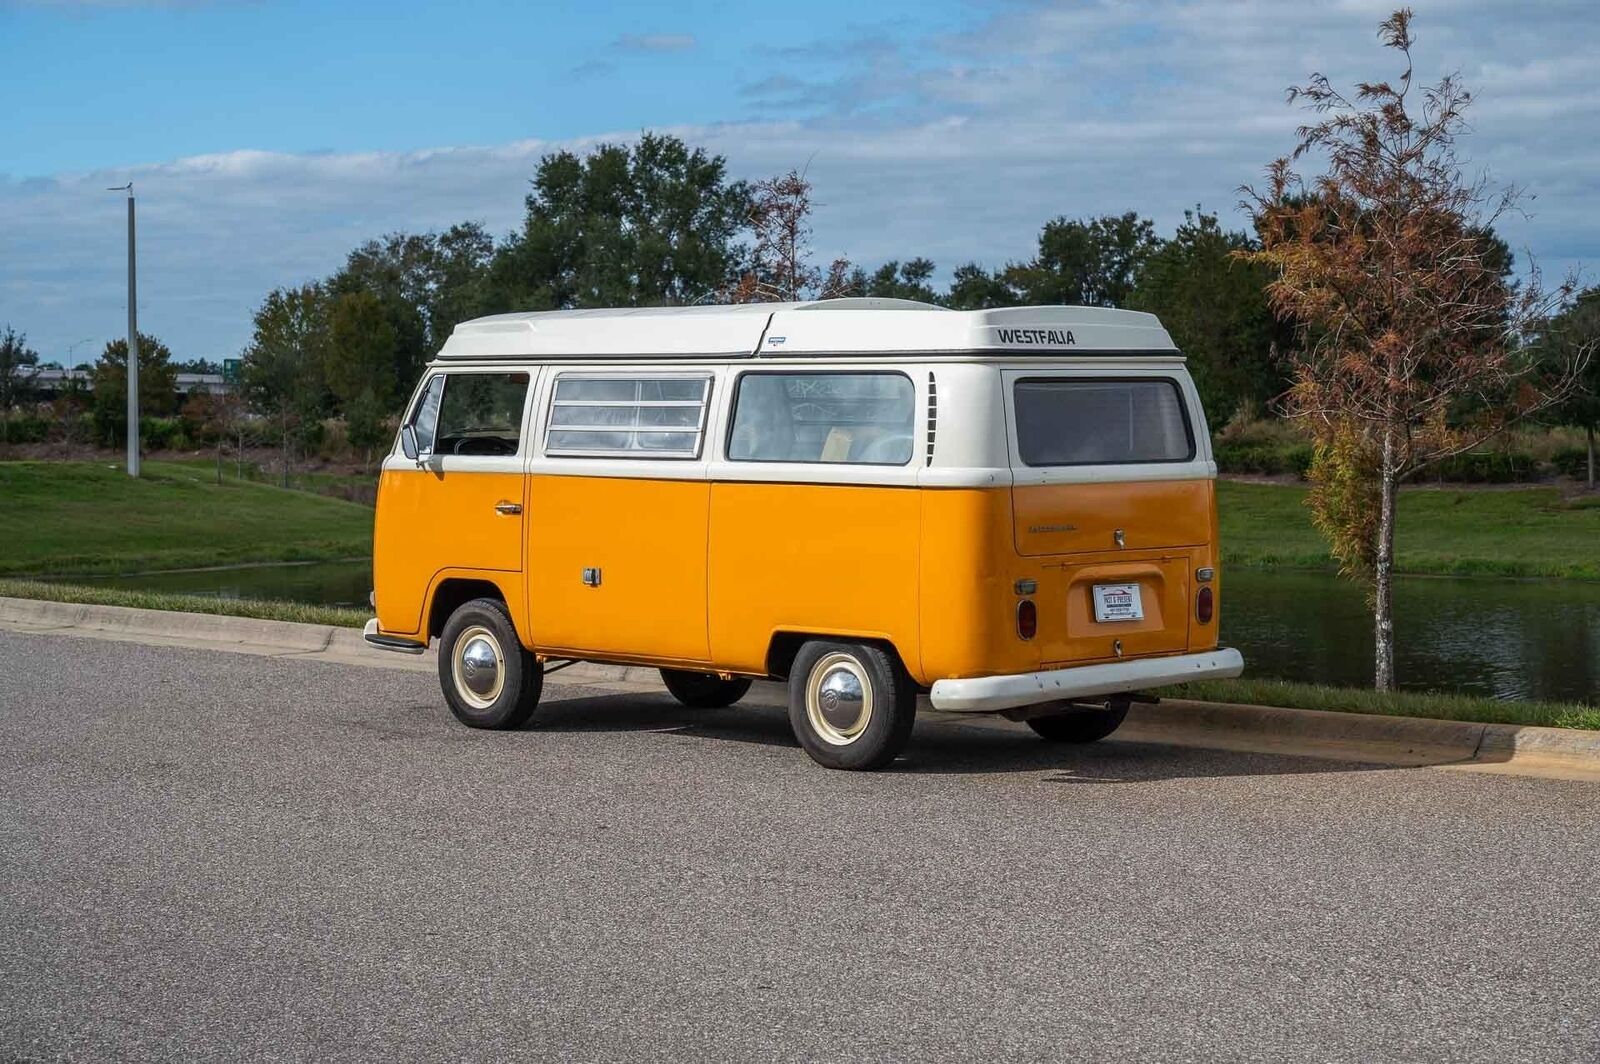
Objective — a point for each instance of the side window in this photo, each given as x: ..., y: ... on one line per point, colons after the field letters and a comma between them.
x: 478, y: 414
x: 634, y: 417
x: 856, y: 418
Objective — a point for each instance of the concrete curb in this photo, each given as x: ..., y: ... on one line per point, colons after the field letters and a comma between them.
x: 1410, y: 741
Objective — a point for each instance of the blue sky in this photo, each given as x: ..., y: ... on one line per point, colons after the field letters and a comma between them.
x: 267, y: 138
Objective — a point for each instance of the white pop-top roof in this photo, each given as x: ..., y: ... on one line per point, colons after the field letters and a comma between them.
x: 824, y: 327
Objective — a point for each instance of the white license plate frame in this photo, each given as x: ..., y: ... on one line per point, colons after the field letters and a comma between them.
x: 1116, y: 603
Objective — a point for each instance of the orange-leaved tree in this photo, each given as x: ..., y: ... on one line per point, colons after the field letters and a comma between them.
x: 1412, y: 338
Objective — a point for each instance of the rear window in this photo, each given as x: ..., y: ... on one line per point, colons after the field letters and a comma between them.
x: 1076, y: 421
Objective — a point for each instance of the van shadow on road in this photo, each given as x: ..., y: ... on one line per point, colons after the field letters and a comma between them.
x: 938, y: 747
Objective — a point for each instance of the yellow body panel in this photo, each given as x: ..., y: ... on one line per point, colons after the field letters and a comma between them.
x: 839, y: 559
x: 705, y: 574
x: 648, y: 539
x: 430, y: 522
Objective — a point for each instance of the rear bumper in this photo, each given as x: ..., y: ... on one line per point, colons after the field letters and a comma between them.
x: 986, y: 694
x: 388, y: 642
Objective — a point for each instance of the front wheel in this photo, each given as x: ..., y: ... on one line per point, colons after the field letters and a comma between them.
x: 704, y: 690
x: 851, y: 705
x: 1081, y: 724
x: 489, y: 680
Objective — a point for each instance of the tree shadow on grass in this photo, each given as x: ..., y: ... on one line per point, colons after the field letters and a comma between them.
x: 937, y: 747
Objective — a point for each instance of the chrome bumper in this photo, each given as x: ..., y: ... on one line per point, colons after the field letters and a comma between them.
x: 985, y: 694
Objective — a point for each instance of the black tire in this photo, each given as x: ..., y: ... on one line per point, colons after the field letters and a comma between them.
x: 704, y: 690
x: 508, y: 700
x: 1081, y: 724
x: 871, y: 738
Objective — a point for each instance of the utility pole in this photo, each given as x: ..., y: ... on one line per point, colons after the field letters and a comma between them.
x: 133, y: 340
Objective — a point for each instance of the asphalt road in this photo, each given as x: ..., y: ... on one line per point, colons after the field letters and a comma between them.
x: 208, y: 856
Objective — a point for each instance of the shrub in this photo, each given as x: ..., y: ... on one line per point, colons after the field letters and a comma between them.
x: 24, y: 428
x: 1261, y: 457
x: 1571, y: 462
x: 161, y: 433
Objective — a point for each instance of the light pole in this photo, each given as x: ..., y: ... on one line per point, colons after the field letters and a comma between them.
x: 72, y: 361
x: 133, y: 341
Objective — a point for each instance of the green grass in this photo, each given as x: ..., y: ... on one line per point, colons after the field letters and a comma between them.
x: 79, y: 518
x: 150, y: 600
x: 1392, y: 704
x: 356, y: 487
x: 1522, y: 532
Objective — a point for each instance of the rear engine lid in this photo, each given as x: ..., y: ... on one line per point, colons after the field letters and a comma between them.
x: 1073, y: 518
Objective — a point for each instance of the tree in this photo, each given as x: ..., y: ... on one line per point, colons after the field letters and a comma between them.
x: 220, y: 417
x: 974, y: 288
x: 780, y: 255
x: 282, y: 374
x: 651, y: 225
x: 366, y: 419
x: 1085, y: 263
x: 1410, y: 334
x: 18, y: 364
x: 1215, y: 306
x: 425, y: 283
x: 158, y: 386
x: 1576, y: 330
x: 894, y: 280
x: 361, y: 349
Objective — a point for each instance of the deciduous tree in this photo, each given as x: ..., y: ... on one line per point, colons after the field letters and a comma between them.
x: 1411, y: 335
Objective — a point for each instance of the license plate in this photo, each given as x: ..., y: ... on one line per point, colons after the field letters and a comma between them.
x: 1117, y: 602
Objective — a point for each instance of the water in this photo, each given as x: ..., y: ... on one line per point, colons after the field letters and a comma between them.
x: 321, y: 583
x: 1514, y: 639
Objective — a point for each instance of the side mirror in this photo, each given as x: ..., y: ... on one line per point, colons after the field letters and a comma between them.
x: 408, y: 441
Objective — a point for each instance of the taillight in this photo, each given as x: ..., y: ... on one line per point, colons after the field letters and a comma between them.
x: 1205, y: 605
x: 1027, y: 619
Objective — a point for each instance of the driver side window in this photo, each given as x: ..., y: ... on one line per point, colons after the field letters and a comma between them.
x: 476, y: 414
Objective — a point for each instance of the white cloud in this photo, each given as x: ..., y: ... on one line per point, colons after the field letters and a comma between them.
x: 956, y: 148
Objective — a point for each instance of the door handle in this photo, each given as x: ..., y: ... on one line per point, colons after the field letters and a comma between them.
x: 507, y: 509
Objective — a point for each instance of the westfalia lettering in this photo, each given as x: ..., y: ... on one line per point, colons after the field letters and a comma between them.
x: 1036, y: 336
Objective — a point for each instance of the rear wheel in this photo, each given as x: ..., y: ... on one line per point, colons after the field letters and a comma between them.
x: 488, y: 679
x: 851, y: 705
x: 1081, y: 724
x: 704, y: 690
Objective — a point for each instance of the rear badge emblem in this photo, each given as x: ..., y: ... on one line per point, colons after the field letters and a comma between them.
x: 1040, y: 529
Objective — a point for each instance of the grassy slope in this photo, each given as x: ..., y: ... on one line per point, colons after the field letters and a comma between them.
x: 1530, y: 532
x: 88, y: 517
x: 1393, y: 704
x: 155, y: 600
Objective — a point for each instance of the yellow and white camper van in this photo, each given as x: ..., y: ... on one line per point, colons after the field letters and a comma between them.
x: 1002, y: 510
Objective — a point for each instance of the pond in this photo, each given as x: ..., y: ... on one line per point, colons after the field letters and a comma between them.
x: 1514, y: 639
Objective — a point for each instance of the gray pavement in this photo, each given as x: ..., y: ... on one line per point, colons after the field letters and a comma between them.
x: 210, y: 856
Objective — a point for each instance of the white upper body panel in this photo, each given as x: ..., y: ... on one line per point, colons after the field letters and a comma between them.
x: 824, y: 328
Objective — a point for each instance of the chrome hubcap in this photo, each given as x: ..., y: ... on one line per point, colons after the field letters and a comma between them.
x: 479, y: 667
x: 839, y: 699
